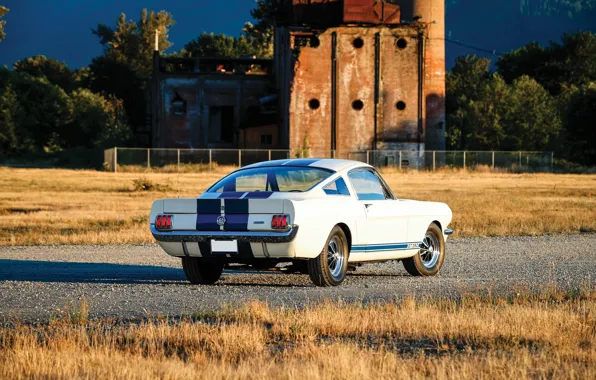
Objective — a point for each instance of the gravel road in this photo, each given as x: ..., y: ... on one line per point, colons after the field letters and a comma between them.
x: 131, y: 281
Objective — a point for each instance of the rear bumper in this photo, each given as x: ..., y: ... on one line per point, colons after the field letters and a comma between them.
x: 241, y: 236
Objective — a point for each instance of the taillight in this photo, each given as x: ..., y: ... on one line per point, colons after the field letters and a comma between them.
x: 280, y: 222
x: 163, y: 222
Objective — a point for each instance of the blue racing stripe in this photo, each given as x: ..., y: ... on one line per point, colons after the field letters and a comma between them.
x: 236, y: 206
x: 236, y: 222
x: 382, y: 247
x: 231, y: 195
x: 207, y: 222
x: 302, y: 162
x: 258, y: 195
x: 208, y: 206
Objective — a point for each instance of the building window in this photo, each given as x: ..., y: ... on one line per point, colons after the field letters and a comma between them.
x: 267, y: 139
x: 178, y: 106
x: 221, y: 124
x: 358, y: 42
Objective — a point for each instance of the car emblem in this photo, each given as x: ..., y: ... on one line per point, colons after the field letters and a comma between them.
x: 221, y: 220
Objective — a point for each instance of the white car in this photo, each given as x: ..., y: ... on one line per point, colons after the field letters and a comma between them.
x: 324, y: 216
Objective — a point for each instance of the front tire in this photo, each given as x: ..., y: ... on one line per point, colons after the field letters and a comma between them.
x: 201, y: 272
x: 330, y: 267
x: 429, y: 259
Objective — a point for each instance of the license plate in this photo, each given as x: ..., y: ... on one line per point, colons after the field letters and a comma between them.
x: 224, y: 246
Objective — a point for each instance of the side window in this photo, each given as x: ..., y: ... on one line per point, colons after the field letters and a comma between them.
x: 337, y: 187
x: 368, y: 186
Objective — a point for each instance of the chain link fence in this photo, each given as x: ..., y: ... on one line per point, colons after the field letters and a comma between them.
x: 139, y: 159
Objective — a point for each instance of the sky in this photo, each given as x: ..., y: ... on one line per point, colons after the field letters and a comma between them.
x: 61, y: 29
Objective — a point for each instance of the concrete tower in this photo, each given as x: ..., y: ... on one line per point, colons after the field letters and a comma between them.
x: 433, y: 14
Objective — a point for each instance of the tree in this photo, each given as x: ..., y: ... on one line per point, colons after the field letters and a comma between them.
x: 97, y: 122
x: 122, y: 71
x: 263, y: 31
x: 484, y: 112
x: 55, y: 72
x: 3, y: 11
x: 571, y: 63
x: 219, y: 45
x: 531, y: 117
x: 9, y: 109
x: 44, y: 111
x: 132, y: 43
x: 579, y: 115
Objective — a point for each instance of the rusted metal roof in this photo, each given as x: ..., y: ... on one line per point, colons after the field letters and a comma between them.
x: 371, y: 12
x: 330, y: 13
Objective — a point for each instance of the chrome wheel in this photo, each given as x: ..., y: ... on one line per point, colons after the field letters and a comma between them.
x: 430, y: 251
x: 335, y: 257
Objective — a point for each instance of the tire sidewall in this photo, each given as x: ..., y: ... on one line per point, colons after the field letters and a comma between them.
x: 336, y: 231
x: 424, y: 271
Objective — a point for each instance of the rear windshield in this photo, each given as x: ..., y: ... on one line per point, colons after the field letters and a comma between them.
x: 277, y: 178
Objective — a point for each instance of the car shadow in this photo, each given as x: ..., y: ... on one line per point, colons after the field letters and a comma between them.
x: 95, y: 273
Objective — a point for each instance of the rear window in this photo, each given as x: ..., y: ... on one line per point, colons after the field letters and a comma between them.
x: 276, y: 179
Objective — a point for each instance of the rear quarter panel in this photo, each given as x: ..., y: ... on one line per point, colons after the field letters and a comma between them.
x: 317, y: 217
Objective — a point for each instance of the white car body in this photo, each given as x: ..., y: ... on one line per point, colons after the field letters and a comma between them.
x: 376, y: 230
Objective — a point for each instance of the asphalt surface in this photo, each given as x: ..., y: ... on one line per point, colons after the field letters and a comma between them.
x: 132, y: 281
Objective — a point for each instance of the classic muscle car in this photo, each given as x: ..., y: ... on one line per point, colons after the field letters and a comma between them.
x: 322, y: 216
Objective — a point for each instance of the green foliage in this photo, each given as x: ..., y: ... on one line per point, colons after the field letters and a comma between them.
x: 123, y: 69
x: 45, y: 109
x: 579, y: 110
x: 55, y: 72
x: 571, y: 63
x: 484, y: 112
x: 3, y: 11
x: 132, y: 43
x: 97, y: 122
x: 9, y: 109
x: 263, y: 31
x: 220, y: 45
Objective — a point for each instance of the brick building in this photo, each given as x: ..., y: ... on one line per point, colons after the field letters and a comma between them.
x: 347, y: 76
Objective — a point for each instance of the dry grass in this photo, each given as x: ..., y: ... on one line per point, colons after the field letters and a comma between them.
x: 524, y: 336
x: 52, y: 206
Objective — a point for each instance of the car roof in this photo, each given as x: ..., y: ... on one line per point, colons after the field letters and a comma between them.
x: 336, y: 165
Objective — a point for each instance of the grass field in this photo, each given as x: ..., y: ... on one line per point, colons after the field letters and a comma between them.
x: 52, y: 206
x: 522, y: 336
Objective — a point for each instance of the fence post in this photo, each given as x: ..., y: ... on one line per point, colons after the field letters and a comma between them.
x: 239, y: 158
x: 493, y: 160
x: 210, y: 161
x: 115, y: 160
x: 400, y: 160
x: 464, y: 160
x: 434, y: 165
x: 520, y: 159
x: 149, y: 158
x: 269, y: 155
x: 552, y: 162
x: 178, y: 159
x: 367, y: 158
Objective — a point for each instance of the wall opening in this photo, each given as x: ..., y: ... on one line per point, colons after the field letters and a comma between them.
x: 315, y: 42
x: 401, y: 43
x: 357, y: 105
x: 267, y: 139
x: 358, y: 42
x: 400, y: 105
x: 221, y: 124
x: 314, y: 104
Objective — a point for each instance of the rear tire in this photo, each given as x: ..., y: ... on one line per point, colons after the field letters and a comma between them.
x: 330, y: 267
x: 201, y: 272
x: 429, y: 260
